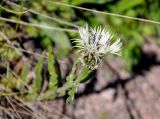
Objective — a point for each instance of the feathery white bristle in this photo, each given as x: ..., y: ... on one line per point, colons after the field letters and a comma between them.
x: 96, y: 41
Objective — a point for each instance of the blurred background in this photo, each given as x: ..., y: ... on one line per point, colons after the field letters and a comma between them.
x: 125, y: 87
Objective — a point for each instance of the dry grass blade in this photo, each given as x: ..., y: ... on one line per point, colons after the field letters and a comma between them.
x: 56, y: 111
x: 43, y: 15
x: 8, y: 10
x: 29, y: 52
x: 37, y: 25
x: 27, y: 109
x: 16, y: 76
x: 13, y: 107
x: 7, y: 112
x: 106, y: 13
x: 19, y: 108
x: 4, y: 37
x: 11, y: 110
x: 9, y: 45
x: 20, y: 49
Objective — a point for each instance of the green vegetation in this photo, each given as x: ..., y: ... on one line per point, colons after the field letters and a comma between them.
x: 35, y: 34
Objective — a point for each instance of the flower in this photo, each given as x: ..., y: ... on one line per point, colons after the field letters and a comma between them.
x: 94, y: 44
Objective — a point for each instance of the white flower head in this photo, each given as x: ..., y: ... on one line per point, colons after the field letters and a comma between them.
x: 94, y: 44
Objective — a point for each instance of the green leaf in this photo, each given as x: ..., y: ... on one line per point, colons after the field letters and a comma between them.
x: 53, y: 81
x: 123, y: 5
x: 11, y: 82
x: 71, y: 93
x: 55, y: 77
x: 37, y: 83
x: 61, y: 40
x: 71, y: 77
x: 63, y: 43
x: 24, y: 73
x: 85, y: 75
